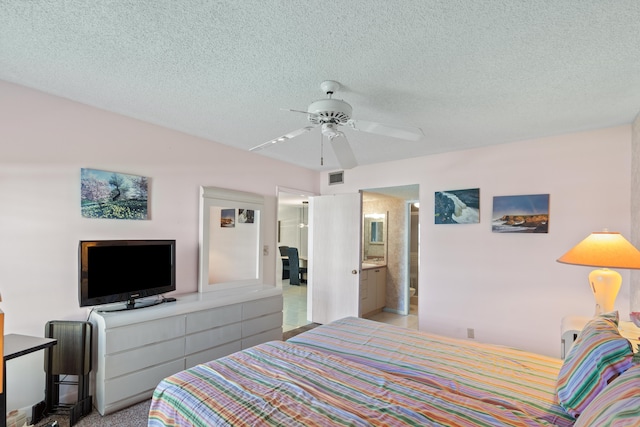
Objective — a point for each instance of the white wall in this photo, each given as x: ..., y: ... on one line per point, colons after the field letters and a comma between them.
x: 45, y: 141
x: 508, y: 287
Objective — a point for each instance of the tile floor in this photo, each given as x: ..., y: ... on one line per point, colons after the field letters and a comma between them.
x: 410, y: 321
x: 295, y: 306
x: 295, y: 310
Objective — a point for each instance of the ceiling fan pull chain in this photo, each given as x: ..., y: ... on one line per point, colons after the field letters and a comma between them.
x: 321, y: 150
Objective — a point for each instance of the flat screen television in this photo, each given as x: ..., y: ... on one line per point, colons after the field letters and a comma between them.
x: 112, y: 271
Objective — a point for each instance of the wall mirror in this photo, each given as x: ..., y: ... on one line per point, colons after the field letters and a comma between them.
x: 376, y: 232
x: 230, y: 239
x: 374, y: 237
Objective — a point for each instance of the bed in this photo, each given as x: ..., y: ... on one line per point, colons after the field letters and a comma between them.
x: 356, y: 372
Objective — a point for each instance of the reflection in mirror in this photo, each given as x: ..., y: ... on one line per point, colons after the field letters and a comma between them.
x: 232, y: 244
x: 230, y: 239
x: 374, y: 246
x: 377, y: 232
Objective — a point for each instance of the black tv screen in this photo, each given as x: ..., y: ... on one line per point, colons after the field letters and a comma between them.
x: 113, y: 271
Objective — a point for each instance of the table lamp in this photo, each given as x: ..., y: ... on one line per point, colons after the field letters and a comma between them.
x: 604, y: 249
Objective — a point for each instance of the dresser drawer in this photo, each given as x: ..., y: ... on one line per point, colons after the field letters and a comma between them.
x: 140, y: 334
x: 207, y: 319
x: 213, y: 353
x: 272, y: 335
x: 139, y: 382
x: 213, y: 338
x: 261, y: 307
x: 261, y: 324
x: 140, y: 358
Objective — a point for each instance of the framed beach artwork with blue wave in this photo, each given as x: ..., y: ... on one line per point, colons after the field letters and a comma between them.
x: 521, y: 214
x: 457, y: 206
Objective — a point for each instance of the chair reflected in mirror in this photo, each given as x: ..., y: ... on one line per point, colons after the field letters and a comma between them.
x: 284, y: 254
x: 296, y: 273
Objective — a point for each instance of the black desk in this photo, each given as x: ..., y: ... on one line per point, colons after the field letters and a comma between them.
x: 15, y: 346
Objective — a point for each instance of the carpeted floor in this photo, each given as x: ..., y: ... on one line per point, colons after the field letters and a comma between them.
x: 133, y: 416
x: 136, y: 415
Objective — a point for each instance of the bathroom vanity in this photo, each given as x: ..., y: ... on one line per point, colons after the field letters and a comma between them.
x: 373, y: 289
x: 373, y: 274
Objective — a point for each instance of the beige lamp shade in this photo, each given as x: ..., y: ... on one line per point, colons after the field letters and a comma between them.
x: 604, y: 250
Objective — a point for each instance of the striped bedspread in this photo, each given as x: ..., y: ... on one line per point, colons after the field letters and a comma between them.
x: 284, y: 384
x: 509, y: 378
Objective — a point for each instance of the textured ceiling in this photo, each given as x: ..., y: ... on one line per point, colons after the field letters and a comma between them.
x: 469, y: 73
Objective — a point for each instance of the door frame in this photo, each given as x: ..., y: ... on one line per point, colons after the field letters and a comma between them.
x: 304, y: 195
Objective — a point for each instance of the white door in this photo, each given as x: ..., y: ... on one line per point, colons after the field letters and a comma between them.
x: 334, y: 258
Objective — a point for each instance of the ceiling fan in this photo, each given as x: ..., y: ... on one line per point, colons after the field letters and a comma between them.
x: 330, y: 114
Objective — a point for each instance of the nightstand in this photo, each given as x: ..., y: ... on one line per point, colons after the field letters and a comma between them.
x: 572, y: 325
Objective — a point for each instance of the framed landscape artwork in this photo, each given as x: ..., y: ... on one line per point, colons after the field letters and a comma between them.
x: 521, y: 214
x: 228, y: 218
x: 457, y: 206
x: 113, y: 195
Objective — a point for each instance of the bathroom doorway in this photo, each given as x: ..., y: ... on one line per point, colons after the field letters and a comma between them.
x: 414, y: 254
x: 402, y: 250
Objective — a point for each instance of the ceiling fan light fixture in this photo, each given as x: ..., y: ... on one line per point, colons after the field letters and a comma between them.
x: 330, y: 130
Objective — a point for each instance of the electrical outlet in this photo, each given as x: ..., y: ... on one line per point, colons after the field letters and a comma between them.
x: 471, y: 333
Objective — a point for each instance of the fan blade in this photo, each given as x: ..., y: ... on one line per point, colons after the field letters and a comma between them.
x: 402, y: 132
x: 300, y: 111
x: 295, y: 111
x: 343, y: 151
x: 282, y: 138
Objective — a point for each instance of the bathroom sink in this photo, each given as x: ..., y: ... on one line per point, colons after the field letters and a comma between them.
x: 366, y: 265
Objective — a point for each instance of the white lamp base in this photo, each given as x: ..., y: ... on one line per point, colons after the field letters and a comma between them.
x: 605, y: 285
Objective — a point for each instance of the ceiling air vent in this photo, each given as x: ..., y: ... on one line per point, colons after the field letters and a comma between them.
x: 336, y: 178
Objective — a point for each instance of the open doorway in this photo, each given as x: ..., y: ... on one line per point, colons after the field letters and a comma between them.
x: 336, y: 282
x: 293, y: 232
x: 414, y: 254
x: 400, y: 204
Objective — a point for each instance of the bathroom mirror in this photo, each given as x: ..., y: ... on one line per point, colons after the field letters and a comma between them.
x: 230, y: 239
x: 374, y: 238
x: 376, y: 232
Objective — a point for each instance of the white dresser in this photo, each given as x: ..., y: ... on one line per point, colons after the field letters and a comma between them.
x: 134, y: 350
